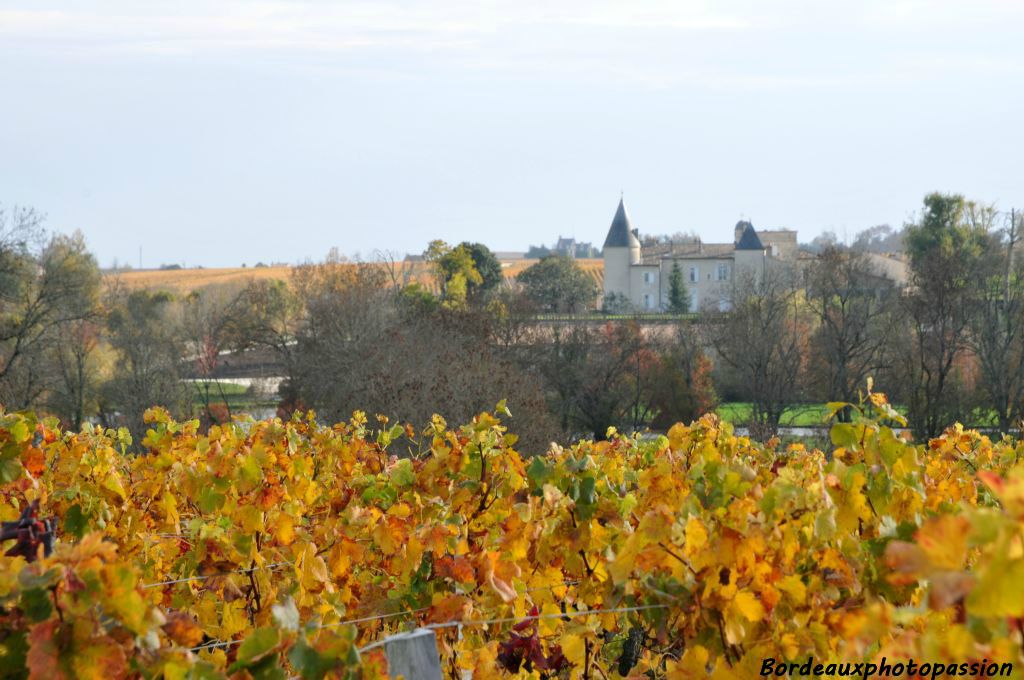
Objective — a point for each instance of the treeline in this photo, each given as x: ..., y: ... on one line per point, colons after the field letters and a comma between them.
x: 350, y: 335
x: 345, y: 336
x: 949, y: 346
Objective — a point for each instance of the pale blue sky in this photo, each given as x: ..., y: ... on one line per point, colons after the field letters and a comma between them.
x: 219, y: 132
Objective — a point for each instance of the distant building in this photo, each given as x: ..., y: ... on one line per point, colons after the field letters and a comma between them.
x: 642, y: 275
x: 890, y: 267
x: 570, y: 247
x: 565, y: 247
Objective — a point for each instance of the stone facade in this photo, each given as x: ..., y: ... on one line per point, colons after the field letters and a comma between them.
x: 708, y: 269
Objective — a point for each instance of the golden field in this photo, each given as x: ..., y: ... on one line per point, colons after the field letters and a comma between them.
x: 186, y: 280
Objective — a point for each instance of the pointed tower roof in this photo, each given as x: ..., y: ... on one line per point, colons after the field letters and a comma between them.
x: 621, y: 235
x: 748, y: 239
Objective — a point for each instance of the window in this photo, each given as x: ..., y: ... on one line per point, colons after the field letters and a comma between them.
x: 723, y: 272
x: 693, y: 301
x: 648, y: 301
x: 694, y: 274
x: 648, y: 278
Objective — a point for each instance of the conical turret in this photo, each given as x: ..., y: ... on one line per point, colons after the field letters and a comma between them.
x: 621, y: 250
x: 621, y: 234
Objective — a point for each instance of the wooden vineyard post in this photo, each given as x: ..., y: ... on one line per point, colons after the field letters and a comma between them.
x: 413, y: 655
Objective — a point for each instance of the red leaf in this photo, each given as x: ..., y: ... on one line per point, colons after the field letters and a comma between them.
x: 523, y: 625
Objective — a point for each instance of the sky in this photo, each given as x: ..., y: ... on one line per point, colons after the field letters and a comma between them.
x: 222, y: 132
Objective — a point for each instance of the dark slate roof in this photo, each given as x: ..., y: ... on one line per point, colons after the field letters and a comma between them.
x: 749, y: 240
x: 620, y: 235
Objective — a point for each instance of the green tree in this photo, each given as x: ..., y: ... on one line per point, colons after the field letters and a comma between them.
x: 678, y: 300
x: 487, y: 265
x: 948, y: 248
x: 617, y: 303
x: 557, y: 284
x: 456, y: 272
x: 950, y: 228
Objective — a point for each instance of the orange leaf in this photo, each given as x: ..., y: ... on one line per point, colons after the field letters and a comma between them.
x: 34, y: 461
x: 183, y: 629
x: 458, y: 569
x: 43, y: 660
x: 907, y: 561
x: 99, y: 659
x: 992, y: 480
x: 451, y: 608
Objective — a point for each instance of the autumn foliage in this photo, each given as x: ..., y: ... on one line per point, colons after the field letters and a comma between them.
x: 284, y: 548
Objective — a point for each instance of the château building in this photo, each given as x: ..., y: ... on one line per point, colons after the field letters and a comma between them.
x: 642, y: 275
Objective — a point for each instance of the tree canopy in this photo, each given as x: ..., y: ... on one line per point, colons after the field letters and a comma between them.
x: 558, y: 284
x: 466, y: 273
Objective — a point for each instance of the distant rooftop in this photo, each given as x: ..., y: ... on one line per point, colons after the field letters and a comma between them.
x: 748, y: 240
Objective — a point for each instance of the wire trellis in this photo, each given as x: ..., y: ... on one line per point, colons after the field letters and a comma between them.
x: 203, y: 577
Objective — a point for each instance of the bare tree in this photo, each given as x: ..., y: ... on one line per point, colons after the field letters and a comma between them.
x: 512, y: 325
x: 46, y: 284
x: 879, y: 239
x: 824, y: 241
x: 144, y: 331
x: 601, y: 377
x: 398, y: 269
x: 997, y: 327
x: 21, y: 234
x: 212, y: 320
x: 75, y: 393
x: 344, y: 317
x: 351, y: 342
x: 270, y: 315
x: 762, y: 340
x: 852, y: 307
x: 682, y: 388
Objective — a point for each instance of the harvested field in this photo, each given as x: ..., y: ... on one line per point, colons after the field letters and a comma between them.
x: 185, y: 280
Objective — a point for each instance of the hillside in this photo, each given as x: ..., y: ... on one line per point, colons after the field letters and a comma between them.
x: 185, y: 280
